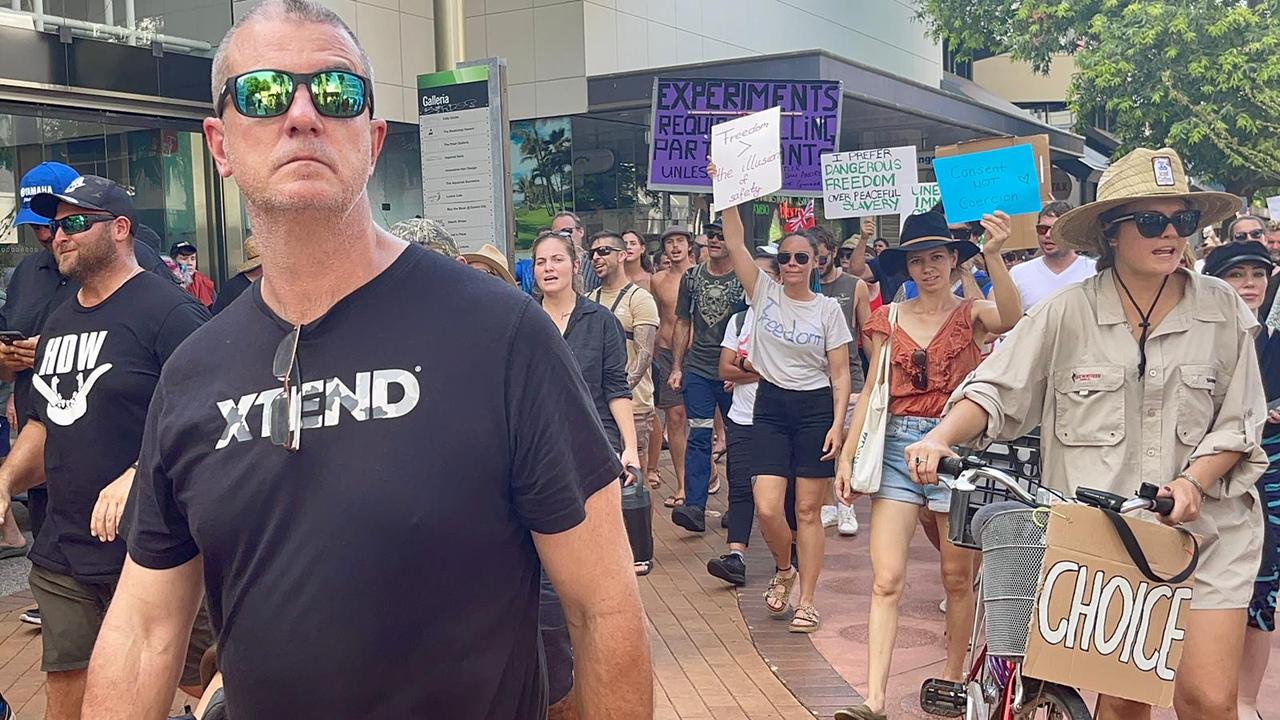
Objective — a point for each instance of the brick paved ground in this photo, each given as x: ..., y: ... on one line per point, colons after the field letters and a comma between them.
x: 716, y: 653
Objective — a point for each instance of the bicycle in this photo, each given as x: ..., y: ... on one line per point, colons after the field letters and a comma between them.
x: 994, y: 688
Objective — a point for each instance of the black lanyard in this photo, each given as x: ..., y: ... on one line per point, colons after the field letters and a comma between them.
x: 1146, y: 321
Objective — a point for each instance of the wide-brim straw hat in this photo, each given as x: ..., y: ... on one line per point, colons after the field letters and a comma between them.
x: 924, y: 231
x: 1141, y: 175
x: 493, y: 258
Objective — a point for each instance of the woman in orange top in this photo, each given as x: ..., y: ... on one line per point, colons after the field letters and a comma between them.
x: 935, y: 345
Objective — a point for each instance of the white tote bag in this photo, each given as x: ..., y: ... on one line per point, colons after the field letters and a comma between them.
x: 868, y: 463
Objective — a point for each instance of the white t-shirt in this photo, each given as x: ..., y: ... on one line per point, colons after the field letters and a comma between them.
x: 744, y: 394
x: 790, y: 338
x: 1036, y: 281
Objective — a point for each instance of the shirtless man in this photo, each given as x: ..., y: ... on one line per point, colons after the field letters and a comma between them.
x: 636, y: 259
x: 665, y: 287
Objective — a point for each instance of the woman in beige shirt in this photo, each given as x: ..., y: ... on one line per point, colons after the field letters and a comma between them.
x: 1145, y: 372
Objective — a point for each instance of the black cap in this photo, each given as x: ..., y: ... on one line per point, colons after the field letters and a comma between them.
x: 89, y: 192
x: 182, y: 248
x: 1223, y: 258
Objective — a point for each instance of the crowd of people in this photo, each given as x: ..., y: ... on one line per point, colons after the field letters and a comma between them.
x: 289, y: 496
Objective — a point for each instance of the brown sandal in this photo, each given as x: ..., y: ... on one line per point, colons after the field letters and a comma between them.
x: 805, y: 620
x: 673, y: 500
x: 861, y: 712
x: 777, y: 597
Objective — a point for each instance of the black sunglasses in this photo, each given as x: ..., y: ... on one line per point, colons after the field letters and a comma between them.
x: 712, y: 235
x: 269, y: 93
x: 1255, y: 234
x: 844, y: 254
x: 76, y: 224
x: 801, y: 258
x: 605, y: 251
x: 920, y: 378
x: 963, y: 233
x: 1151, y: 224
x: 286, y: 430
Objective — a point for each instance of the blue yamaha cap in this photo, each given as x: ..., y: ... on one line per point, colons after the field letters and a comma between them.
x: 47, y: 177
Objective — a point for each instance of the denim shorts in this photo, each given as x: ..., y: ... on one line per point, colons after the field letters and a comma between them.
x: 895, y: 481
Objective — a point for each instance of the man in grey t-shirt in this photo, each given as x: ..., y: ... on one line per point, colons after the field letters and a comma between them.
x: 849, y: 291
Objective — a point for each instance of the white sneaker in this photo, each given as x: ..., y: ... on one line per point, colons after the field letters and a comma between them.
x: 942, y: 606
x: 829, y: 516
x: 848, y: 520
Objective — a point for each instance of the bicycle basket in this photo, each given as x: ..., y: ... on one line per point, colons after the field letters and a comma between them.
x: 1013, y: 545
x: 1020, y: 458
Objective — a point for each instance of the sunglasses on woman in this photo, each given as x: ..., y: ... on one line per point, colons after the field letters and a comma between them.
x: 76, y: 224
x: 270, y: 93
x: 1151, y: 224
x: 1250, y: 235
x: 801, y: 258
x: 920, y: 375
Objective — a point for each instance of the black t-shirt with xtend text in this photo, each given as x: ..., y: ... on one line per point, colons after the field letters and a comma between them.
x: 95, y: 371
x: 387, y: 569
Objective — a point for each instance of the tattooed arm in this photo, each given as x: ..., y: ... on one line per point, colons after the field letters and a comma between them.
x: 645, y: 337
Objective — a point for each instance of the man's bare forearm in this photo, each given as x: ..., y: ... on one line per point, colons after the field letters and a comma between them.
x: 138, y: 657
x: 645, y: 337
x: 23, y: 469
x: 680, y: 342
x: 612, y: 677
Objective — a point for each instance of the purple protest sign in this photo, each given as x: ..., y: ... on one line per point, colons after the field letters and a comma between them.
x: 685, y: 110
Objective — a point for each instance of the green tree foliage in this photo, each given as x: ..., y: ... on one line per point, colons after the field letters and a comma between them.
x: 1201, y: 76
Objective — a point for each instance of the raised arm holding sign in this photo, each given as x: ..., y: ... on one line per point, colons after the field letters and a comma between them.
x: 747, y: 153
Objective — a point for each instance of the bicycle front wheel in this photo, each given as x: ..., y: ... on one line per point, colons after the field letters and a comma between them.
x: 1049, y: 701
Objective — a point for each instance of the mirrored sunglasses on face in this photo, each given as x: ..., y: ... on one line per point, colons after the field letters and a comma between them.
x: 76, y: 224
x: 270, y: 93
x: 605, y: 251
x: 1250, y: 235
x: 801, y: 258
x: 1152, y: 224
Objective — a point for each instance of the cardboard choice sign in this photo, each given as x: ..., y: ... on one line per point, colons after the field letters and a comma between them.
x: 748, y: 157
x: 864, y: 183
x: 685, y: 110
x: 1099, y: 624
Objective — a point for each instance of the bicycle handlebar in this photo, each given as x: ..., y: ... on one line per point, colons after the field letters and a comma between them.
x: 964, y: 469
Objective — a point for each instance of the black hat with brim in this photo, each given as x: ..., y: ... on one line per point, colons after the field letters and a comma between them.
x: 925, y: 231
x: 1221, y: 259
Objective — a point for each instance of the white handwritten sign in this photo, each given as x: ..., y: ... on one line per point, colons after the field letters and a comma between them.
x: 747, y: 153
x: 923, y: 197
x: 862, y: 183
x: 1273, y: 207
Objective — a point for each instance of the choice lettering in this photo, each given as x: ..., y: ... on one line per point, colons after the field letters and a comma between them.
x: 1095, y: 597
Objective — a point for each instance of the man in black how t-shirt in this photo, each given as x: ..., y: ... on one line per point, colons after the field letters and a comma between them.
x: 36, y: 289
x: 369, y: 455
x: 96, y: 367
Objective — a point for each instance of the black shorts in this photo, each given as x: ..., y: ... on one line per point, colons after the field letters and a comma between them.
x: 664, y: 398
x: 789, y: 429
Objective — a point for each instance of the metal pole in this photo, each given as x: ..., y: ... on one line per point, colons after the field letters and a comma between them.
x: 108, y: 13
x: 37, y: 9
x: 450, y: 33
x: 131, y: 21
